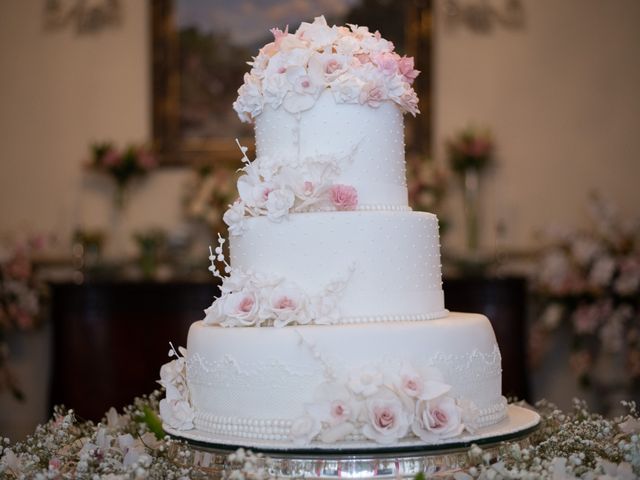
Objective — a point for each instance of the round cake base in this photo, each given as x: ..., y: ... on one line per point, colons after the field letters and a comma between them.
x: 405, y: 461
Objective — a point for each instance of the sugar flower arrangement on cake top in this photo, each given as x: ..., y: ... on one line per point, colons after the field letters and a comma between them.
x: 356, y: 65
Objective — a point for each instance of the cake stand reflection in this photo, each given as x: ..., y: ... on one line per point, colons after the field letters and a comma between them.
x: 405, y: 462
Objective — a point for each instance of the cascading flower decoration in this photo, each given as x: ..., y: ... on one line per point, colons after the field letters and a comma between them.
x: 357, y: 66
x: 252, y: 299
x: 277, y: 186
x: 385, y: 406
x: 121, y: 165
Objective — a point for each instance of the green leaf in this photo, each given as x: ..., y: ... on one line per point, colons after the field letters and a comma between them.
x: 153, y: 421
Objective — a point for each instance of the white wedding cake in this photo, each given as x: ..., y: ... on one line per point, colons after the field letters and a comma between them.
x: 330, y: 331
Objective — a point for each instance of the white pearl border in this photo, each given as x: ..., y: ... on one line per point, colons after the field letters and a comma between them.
x: 364, y: 208
x: 278, y: 429
x: 419, y: 317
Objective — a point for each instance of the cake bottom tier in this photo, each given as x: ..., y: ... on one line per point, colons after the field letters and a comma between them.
x: 371, y: 384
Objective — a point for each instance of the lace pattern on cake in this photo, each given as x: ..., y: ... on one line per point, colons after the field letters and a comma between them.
x: 385, y: 403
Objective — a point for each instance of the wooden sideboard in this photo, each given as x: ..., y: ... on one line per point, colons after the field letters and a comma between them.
x: 110, y: 338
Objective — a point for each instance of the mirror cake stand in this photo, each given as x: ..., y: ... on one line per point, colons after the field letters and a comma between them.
x: 404, y: 462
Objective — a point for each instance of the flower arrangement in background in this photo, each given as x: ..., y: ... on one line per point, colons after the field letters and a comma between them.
x: 470, y: 152
x: 19, y: 301
x: 470, y: 149
x: 209, y: 193
x: 427, y: 185
x: 121, y: 165
x: 590, y: 280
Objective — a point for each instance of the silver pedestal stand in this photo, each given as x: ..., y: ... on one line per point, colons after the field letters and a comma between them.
x: 440, y: 461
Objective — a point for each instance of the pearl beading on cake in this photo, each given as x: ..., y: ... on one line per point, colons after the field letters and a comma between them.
x: 278, y: 429
x: 366, y: 208
x: 395, y: 318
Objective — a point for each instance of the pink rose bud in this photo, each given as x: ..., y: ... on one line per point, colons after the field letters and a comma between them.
x: 344, y: 197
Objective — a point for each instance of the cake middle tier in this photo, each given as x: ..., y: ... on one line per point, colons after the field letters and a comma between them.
x: 366, y: 142
x: 389, y: 261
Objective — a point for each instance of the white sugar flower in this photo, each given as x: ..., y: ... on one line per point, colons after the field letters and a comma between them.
x: 347, y: 45
x: 333, y: 405
x: 304, y: 429
x: 278, y: 204
x: 275, y: 88
x: 388, y: 419
x: 234, y: 218
x: 287, y: 302
x: 172, y: 372
x: 250, y: 100
x: 365, y: 381
x: 253, y: 191
x: 346, y: 88
x: 318, y: 34
x: 328, y: 65
x: 241, y: 307
x: 175, y: 410
x: 437, y: 419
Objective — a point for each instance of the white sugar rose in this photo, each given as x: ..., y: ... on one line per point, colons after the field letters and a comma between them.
x: 284, y: 61
x: 388, y: 419
x: 328, y: 65
x: 347, y: 45
x: 234, y: 218
x: 287, y: 304
x: 346, y: 88
x: 365, y: 381
x: 278, y: 204
x: 373, y: 94
x: 304, y: 429
x: 241, y: 308
x: 437, y: 419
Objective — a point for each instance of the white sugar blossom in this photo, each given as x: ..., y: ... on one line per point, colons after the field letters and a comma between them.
x: 250, y: 100
x: 278, y: 203
x: 304, y: 429
x: 347, y: 88
x: 234, y: 218
x: 365, y: 381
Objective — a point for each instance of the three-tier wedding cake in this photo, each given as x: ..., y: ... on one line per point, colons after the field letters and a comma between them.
x: 330, y: 330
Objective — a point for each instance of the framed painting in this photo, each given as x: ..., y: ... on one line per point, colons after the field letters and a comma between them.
x: 200, y: 49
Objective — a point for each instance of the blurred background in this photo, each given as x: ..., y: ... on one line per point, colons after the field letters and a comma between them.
x: 118, y: 158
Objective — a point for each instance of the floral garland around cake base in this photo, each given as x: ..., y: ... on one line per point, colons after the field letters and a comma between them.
x: 277, y: 186
x: 385, y: 406
x: 251, y: 299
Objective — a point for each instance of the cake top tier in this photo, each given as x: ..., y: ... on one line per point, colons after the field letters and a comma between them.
x: 356, y: 65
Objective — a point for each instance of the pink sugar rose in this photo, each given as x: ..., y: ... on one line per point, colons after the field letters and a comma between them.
x: 386, y: 62
x: 405, y: 67
x: 388, y: 420
x: 437, y: 419
x: 344, y: 197
x: 372, y: 94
